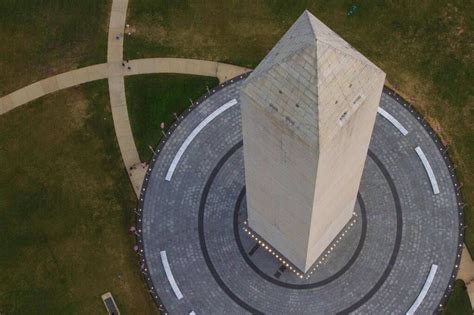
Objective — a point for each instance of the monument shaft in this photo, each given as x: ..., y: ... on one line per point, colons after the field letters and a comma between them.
x: 308, y: 112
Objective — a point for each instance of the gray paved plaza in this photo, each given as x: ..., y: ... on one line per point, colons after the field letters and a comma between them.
x: 378, y: 264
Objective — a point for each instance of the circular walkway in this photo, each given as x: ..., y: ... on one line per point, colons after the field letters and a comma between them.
x: 399, y: 253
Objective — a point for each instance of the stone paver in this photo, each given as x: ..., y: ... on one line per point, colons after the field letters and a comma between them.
x: 191, y: 217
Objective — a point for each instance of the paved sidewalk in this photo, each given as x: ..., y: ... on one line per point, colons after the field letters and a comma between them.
x: 101, y: 71
x: 466, y: 273
x: 118, y: 101
x: 115, y: 71
x: 222, y: 71
x: 52, y: 84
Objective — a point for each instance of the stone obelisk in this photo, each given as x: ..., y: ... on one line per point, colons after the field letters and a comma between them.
x: 308, y: 111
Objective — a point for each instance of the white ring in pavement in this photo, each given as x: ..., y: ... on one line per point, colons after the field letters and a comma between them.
x: 424, y: 290
x: 169, y: 275
x: 193, y: 135
x: 392, y: 119
x: 429, y: 170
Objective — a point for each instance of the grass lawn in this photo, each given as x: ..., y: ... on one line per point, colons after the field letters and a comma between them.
x: 153, y: 98
x: 65, y: 209
x: 43, y: 38
x: 425, y: 47
x: 458, y: 303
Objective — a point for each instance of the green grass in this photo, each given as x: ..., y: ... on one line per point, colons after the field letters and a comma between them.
x: 65, y: 209
x: 425, y: 47
x: 152, y: 99
x: 458, y: 303
x: 47, y: 37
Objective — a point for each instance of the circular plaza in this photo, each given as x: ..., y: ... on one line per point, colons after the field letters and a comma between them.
x: 399, y: 253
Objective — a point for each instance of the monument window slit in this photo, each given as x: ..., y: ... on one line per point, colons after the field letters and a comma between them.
x: 341, y: 119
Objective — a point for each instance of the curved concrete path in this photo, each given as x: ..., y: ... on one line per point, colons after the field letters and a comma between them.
x: 115, y: 72
x: 118, y: 101
x: 101, y: 71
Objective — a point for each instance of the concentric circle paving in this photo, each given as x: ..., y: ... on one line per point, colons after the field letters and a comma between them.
x: 399, y: 252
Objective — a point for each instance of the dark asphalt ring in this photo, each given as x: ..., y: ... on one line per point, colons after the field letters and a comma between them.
x: 248, y: 307
x: 202, y: 241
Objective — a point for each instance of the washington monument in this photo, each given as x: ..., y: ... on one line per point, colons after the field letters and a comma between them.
x: 308, y: 111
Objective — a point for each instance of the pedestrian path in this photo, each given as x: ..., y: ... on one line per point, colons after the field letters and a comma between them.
x: 103, y: 71
x: 118, y: 101
x: 466, y: 273
x: 115, y: 73
x: 222, y: 71
x: 52, y: 84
